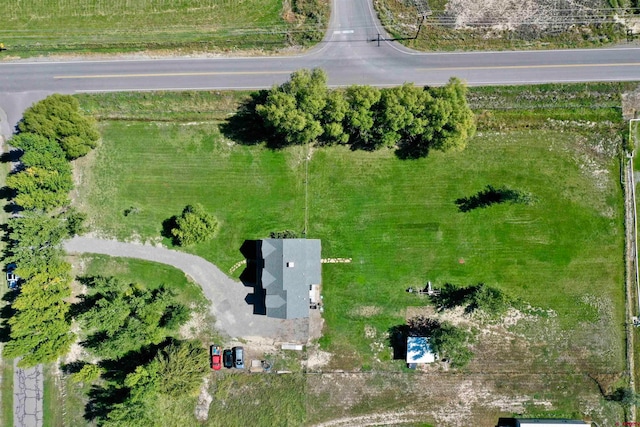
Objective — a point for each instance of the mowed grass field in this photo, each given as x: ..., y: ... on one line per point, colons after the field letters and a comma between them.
x: 32, y: 27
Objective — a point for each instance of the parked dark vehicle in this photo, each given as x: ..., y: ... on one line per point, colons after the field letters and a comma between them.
x: 227, y: 358
x: 238, y: 357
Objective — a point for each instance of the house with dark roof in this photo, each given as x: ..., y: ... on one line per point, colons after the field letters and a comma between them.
x: 287, y: 270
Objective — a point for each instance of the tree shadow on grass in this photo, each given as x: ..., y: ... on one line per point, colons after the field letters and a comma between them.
x: 246, y: 126
x: 491, y: 195
x: 6, y: 313
x: 117, y: 369
x: 408, y: 151
x: 452, y: 296
x: 168, y: 225
x: 102, y: 400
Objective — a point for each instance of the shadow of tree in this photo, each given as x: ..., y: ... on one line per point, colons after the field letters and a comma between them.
x: 7, y: 312
x: 411, y: 151
x: 168, y: 225
x: 246, y: 126
x: 102, y: 400
x: 452, y: 296
x: 491, y: 195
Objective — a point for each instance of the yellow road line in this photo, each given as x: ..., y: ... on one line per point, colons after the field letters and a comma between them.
x: 212, y: 73
x: 519, y: 67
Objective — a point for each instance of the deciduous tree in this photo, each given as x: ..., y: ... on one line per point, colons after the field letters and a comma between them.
x: 195, y: 225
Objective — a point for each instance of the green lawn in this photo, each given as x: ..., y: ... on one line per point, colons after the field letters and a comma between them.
x: 7, y: 392
x: 161, y: 167
x: 52, y: 404
x: 32, y: 27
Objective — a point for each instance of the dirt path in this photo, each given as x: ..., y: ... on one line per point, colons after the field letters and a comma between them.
x: 234, y: 316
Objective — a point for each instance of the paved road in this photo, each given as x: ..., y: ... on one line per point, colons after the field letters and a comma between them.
x: 27, y: 396
x: 234, y: 316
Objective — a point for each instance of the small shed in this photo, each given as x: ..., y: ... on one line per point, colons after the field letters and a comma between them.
x: 419, y: 351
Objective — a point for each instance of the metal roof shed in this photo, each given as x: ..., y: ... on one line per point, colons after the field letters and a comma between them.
x: 419, y: 351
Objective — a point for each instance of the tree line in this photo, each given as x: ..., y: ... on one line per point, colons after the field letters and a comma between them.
x: 52, y: 132
x: 413, y: 120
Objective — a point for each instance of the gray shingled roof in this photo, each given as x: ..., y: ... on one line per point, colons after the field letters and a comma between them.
x: 291, y: 266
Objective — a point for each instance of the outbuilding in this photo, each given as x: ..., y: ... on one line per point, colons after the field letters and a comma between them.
x: 419, y: 351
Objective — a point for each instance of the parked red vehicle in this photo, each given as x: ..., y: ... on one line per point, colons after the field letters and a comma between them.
x: 216, y: 358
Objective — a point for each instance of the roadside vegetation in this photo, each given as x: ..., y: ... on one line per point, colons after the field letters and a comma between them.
x: 34, y: 27
x: 541, y: 24
x: 557, y: 250
x: 53, y: 131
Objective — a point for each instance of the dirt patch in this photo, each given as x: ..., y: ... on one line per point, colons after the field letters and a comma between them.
x: 543, y: 15
x: 204, y: 401
x: 317, y: 358
x: 195, y: 326
x: 366, y: 311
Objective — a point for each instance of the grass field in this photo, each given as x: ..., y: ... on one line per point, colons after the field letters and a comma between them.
x: 7, y: 392
x: 33, y: 27
x: 398, y: 221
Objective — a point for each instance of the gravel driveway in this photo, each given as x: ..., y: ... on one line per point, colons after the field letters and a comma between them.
x: 234, y: 316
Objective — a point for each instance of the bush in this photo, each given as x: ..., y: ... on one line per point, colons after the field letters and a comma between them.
x: 195, y: 225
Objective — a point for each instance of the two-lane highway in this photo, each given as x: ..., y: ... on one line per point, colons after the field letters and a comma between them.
x: 349, y: 55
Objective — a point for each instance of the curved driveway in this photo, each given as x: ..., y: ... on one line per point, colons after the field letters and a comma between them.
x: 234, y: 316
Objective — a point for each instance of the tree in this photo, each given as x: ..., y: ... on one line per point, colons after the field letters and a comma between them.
x: 33, y: 142
x: 293, y: 110
x: 40, y: 331
x: 400, y: 117
x: 359, y: 119
x: 451, y: 121
x: 195, y: 225
x: 40, y: 188
x: 180, y: 368
x: 332, y: 119
x: 452, y: 343
x: 58, y: 117
x: 34, y: 242
x: 126, y: 318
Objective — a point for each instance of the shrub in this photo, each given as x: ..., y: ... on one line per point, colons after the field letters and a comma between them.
x: 195, y: 225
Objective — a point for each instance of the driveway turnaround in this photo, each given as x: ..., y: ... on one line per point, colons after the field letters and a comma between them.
x: 27, y: 396
x: 234, y: 316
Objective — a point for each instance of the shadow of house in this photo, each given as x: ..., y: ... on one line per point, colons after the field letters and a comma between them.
x: 398, y: 341
x: 250, y: 276
x: 282, y: 273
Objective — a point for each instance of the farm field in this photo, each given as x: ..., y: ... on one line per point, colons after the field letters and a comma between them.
x: 35, y: 27
x: 503, y: 25
x: 560, y: 257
